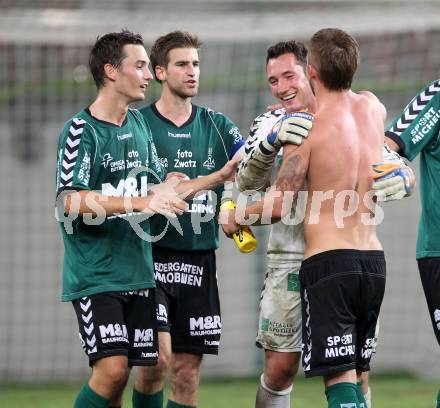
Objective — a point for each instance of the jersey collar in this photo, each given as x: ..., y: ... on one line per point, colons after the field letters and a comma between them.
x: 163, y: 118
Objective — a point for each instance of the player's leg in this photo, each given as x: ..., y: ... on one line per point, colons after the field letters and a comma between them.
x: 185, y: 375
x: 109, y: 378
x: 149, y: 383
x: 429, y: 269
x: 341, y: 390
x: 104, y: 338
x: 277, y: 380
x: 363, y: 384
x: 364, y: 376
x: 196, y: 327
x: 279, y: 333
x: 373, y: 289
x: 330, y: 292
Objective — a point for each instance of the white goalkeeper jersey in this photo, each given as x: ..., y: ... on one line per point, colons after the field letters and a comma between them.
x: 286, y: 242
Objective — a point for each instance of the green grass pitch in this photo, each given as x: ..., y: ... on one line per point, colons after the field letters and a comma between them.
x: 390, y: 391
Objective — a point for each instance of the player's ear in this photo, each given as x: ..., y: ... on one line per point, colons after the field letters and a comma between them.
x: 311, y: 71
x: 160, y: 72
x: 110, y: 72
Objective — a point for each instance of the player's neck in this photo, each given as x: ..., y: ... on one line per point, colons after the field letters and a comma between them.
x: 178, y: 110
x: 109, y: 108
x: 327, y: 98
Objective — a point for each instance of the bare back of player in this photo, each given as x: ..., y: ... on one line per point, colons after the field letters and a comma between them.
x: 347, y: 138
x: 342, y: 278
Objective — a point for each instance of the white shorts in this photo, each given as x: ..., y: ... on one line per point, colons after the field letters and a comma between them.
x: 279, y: 326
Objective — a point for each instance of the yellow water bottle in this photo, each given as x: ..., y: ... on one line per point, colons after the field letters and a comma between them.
x: 244, y: 238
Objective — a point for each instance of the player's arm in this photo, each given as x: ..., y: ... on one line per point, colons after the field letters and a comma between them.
x: 418, y: 124
x: 263, y: 145
x: 190, y: 188
x: 291, y: 176
x: 162, y: 199
x: 233, y: 145
x: 76, y: 160
x: 379, y: 107
x: 277, y: 202
x: 414, y: 130
x: 393, y: 179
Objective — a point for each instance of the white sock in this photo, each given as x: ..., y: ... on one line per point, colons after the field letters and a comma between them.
x: 367, y: 397
x: 268, y: 398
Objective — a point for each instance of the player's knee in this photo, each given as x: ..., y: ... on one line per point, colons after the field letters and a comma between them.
x: 185, y: 378
x: 164, y: 360
x: 117, y: 375
x: 152, y: 375
x: 280, y: 372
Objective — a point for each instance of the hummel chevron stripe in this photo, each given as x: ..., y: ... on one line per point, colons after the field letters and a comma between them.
x: 71, y: 149
x: 415, y: 107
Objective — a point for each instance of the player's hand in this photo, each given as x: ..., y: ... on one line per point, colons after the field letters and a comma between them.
x: 176, y: 174
x: 392, y: 181
x: 291, y: 129
x: 227, y: 172
x: 227, y: 221
x: 164, y: 199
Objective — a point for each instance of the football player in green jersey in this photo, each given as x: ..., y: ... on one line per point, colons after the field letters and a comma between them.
x: 195, y: 141
x: 107, y: 271
x: 417, y: 132
x: 106, y: 163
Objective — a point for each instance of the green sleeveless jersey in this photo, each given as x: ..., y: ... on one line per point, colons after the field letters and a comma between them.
x: 113, y: 253
x: 417, y: 131
x: 199, y: 147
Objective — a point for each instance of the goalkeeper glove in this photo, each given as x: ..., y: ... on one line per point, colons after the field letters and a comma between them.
x: 392, y: 181
x: 292, y: 129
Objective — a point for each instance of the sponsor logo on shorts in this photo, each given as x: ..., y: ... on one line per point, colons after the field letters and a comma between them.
x: 340, y: 346
x: 149, y: 355
x: 212, y: 343
x: 142, y: 292
x: 143, y: 338
x: 205, y: 325
x: 178, y: 272
x: 161, y: 313
x: 368, y: 348
x: 292, y: 282
x: 113, y: 333
x: 278, y: 328
x: 437, y: 318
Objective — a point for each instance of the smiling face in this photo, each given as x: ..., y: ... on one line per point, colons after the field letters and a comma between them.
x: 132, y: 77
x: 181, y: 75
x: 288, y: 82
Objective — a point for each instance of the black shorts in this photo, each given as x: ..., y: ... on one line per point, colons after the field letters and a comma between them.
x: 341, y: 295
x: 188, y: 304
x: 119, y: 323
x: 429, y: 269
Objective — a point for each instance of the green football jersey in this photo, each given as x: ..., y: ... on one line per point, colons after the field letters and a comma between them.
x: 199, y: 147
x: 417, y: 131
x: 108, y: 253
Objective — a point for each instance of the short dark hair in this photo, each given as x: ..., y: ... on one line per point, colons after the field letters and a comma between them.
x: 335, y: 55
x: 298, y: 49
x: 163, y: 45
x: 108, y: 49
